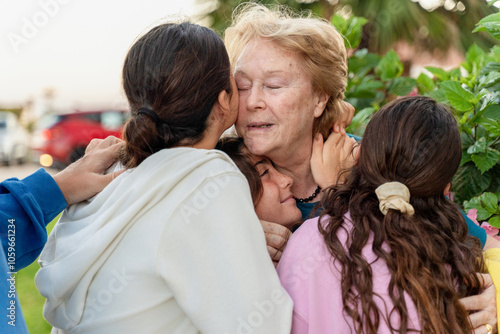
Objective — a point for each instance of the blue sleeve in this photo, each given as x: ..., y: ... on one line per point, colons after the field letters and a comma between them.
x: 26, y: 207
x: 474, y: 230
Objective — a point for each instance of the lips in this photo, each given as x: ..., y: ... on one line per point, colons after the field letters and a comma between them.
x: 288, y: 199
x: 259, y: 125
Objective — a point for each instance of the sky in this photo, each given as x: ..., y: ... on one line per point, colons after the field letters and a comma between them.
x: 76, y: 47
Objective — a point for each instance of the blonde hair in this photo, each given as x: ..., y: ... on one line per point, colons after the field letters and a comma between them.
x: 317, y: 41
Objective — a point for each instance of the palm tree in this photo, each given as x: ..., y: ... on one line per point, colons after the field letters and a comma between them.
x: 431, y: 30
x: 448, y: 25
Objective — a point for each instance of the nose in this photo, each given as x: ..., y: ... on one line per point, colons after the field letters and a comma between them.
x: 255, y: 98
x: 285, y: 181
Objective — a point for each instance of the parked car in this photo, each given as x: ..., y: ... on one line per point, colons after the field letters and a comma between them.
x: 62, y: 139
x: 13, y: 139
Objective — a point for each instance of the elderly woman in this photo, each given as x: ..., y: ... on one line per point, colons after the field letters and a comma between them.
x: 291, y: 74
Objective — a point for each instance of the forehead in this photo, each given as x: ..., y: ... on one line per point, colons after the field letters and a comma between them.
x: 267, y: 56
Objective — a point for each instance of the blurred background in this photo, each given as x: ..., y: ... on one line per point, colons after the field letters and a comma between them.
x: 60, y: 68
x: 61, y: 60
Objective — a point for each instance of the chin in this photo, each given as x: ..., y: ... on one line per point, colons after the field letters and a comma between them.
x: 256, y: 147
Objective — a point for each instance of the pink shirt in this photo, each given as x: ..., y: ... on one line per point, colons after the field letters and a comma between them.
x: 312, y: 279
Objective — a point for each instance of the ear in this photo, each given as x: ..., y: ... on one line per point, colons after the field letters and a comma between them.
x: 447, y: 189
x: 321, y: 101
x: 222, y: 109
x: 221, y: 106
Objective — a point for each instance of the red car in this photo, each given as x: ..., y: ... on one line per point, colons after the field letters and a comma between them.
x: 65, y: 138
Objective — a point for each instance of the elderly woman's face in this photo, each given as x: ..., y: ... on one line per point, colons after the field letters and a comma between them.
x: 277, y: 103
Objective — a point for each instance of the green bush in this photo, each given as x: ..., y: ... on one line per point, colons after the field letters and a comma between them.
x: 471, y: 91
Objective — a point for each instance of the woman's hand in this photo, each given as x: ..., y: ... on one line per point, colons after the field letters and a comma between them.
x: 329, y: 158
x: 484, y: 306
x: 276, y: 239
x: 85, y: 177
x: 345, y: 119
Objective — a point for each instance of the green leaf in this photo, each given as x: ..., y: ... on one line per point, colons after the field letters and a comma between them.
x: 475, y: 203
x: 351, y: 29
x: 474, y: 59
x: 390, y: 66
x: 491, y: 24
x: 439, y: 73
x: 486, y: 160
x: 455, y: 74
x: 425, y: 84
x: 362, y: 62
x: 489, y: 80
x: 402, y: 86
x: 339, y: 22
x: 492, y: 66
x: 491, y: 125
x: 469, y: 182
x: 495, y: 221
x: 494, y: 54
x: 478, y: 147
x: 494, y: 186
x: 464, y: 118
x: 492, y: 111
x: 459, y: 98
x: 439, y: 95
x: 492, y: 2
x: 360, y: 118
x: 466, y: 157
x: 489, y: 201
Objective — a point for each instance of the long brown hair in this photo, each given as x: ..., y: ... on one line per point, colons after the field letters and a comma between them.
x: 414, y: 141
x: 177, y: 70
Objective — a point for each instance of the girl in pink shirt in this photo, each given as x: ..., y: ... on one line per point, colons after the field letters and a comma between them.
x: 390, y: 253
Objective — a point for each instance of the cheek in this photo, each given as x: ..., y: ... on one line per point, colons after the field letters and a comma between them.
x: 265, y: 211
x: 268, y: 204
x: 241, y: 121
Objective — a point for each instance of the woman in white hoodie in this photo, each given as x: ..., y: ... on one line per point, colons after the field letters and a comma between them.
x: 173, y: 245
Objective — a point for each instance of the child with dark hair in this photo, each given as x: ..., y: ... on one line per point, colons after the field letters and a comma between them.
x: 390, y: 253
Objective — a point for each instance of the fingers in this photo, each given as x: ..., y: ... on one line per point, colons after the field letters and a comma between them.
x: 275, y: 254
x: 345, y: 119
x: 484, y: 304
x: 317, y: 151
x: 102, y: 143
x: 276, y: 239
x: 276, y: 229
x: 334, y: 141
x: 482, y: 330
x: 100, y: 182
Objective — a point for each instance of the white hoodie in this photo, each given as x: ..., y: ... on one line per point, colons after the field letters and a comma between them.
x: 172, y: 246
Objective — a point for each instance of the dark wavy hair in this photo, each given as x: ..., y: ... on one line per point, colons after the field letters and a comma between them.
x: 177, y: 70
x: 414, y: 141
x: 235, y: 148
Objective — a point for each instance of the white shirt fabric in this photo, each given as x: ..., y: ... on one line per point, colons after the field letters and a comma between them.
x: 172, y: 246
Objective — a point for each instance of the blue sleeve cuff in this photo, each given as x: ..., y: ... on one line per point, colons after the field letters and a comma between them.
x: 47, y: 193
x: 356, y: 138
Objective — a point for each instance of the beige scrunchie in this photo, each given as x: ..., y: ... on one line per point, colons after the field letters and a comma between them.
x: 396, y: 196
